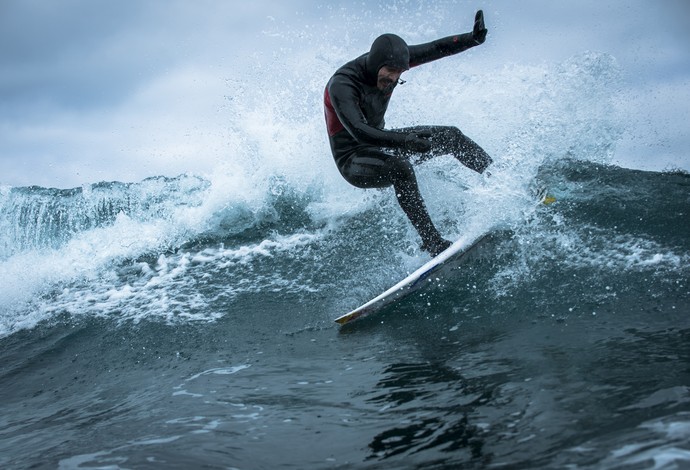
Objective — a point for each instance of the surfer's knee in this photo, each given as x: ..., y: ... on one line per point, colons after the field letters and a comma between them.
x: 456, y: 134
x: 449, y: 138
x: 455, y: 130
x: 446, y: 132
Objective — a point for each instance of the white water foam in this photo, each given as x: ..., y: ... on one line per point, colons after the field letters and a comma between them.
x: 168, y: 291
x: 658, y: 444
x: 541, y: 245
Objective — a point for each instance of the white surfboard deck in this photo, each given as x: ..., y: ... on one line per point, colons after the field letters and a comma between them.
x: 456, y: 254
x: 451, y: 256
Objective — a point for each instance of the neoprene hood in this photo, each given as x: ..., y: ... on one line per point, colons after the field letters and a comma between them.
x: 390, y: 50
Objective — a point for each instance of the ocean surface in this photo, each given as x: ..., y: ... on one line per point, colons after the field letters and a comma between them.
x: 128, y: 342
x: 187, y: 321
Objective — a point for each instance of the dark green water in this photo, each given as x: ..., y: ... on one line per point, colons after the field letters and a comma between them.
x: 565, y: 345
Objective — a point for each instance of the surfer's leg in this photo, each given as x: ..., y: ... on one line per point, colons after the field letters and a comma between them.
x: 450, y: 140
x: 410, y: 199
x: 376, y: 169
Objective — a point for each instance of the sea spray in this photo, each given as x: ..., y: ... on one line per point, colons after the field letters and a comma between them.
x: 278, y: 178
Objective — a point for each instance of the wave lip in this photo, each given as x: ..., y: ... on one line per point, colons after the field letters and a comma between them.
x: 37, y: 218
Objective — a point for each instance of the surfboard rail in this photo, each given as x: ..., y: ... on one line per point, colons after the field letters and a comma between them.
x: 456, y: 253
x: 458, y: 250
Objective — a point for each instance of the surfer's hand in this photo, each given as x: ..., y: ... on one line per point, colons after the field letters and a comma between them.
x: 479, y: 31
x: 415, y: 143
x: 424, y: 133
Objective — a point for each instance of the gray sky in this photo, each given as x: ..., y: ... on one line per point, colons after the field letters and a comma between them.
x: 94, y: 90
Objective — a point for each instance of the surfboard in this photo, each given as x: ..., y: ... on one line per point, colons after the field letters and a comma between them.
x: 455, y: 254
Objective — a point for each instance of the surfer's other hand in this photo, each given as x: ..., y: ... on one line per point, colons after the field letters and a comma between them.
x: 415, y: 143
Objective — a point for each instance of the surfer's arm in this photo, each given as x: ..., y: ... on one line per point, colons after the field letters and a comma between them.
x: 430, y: 51
x: 345, y: 98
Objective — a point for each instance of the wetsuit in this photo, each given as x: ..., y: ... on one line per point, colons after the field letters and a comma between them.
x: 367, y: 155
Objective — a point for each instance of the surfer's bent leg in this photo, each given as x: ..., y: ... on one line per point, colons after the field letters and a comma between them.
x: 450, y: 140
x: 373, y: 168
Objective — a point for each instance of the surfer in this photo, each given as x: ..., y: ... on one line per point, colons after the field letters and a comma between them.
x: 369, y: 156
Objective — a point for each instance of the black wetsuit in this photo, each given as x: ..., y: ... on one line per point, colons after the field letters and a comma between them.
x: 367, y: 155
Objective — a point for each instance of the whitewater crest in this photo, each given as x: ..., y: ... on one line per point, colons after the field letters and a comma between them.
x: 35, y: 218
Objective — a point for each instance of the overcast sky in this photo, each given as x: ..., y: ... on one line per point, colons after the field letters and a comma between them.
x: 94, y: 90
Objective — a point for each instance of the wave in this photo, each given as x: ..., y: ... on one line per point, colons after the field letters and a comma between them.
x: 611, y: 238
x: 279, y: 210
x: 36, y: 218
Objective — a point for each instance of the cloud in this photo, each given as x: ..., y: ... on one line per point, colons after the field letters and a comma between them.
x: 93, y: 90
x: 62, y: 54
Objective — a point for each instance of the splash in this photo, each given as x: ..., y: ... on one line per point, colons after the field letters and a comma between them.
x: 278, y: 179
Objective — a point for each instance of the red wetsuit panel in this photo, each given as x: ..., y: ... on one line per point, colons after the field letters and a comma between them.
x: 333, y: 124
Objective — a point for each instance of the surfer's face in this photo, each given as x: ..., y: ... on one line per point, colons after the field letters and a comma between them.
x: 388, y: 77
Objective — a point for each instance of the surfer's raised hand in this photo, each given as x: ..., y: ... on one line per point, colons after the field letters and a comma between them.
x: 479, y: 31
